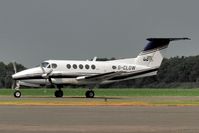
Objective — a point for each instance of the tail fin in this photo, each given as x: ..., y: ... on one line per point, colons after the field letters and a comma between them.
x: 151, y: 55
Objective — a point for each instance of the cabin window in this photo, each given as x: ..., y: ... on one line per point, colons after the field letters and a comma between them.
x: 74, y: 66
x: 87, y: 66
x: 68, y: 66
x: 81, y: 66
x: 93, y: 67
x: 54, y: 66
x: 114, y: 67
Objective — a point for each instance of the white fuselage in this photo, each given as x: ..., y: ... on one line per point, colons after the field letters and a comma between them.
x: 73, y: 72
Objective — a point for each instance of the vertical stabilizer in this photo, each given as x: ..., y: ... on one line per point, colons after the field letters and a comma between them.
x: 151, y: 55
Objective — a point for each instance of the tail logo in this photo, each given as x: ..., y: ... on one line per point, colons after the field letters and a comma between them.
x: 148, y: 58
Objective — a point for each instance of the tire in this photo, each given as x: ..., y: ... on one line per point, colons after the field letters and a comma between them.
x: 90, y: 94
x: 17, y: 94
x: 59, y: 93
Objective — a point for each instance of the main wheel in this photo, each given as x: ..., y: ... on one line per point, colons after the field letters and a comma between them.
x: 59, y: 93
x: 17, y: 94
x: 90, y: 94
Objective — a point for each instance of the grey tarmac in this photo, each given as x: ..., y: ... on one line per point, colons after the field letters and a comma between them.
x: 98, y: 119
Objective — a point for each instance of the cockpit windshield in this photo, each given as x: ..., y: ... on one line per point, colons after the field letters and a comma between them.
x: 45, y: 65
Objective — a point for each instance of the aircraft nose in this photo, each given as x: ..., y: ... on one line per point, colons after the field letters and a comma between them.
x: 26, y: 74
x: 18, y: 75
x: 14, y: 76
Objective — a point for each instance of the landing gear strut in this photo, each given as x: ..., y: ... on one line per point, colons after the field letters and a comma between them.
x: 90, y: 94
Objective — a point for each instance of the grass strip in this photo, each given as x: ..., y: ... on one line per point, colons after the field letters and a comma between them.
x: 106, y: 92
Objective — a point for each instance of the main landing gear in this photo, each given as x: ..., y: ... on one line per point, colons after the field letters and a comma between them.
x: 90, y: 94
x: 59, y: 93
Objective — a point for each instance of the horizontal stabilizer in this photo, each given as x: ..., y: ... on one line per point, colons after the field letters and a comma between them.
x: 167, y: 39
x: 160, y: 43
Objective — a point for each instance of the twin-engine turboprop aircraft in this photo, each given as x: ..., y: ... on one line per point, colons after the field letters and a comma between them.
x: 92, y: 73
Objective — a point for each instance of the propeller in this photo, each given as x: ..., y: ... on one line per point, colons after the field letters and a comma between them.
x: 46, y: 75
x: 15, y: 83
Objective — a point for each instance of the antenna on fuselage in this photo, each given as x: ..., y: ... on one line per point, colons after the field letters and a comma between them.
x: 95, y: 58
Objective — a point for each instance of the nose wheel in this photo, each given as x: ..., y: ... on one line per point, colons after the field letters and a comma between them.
x: 17, y: 94
x: 90, y: 94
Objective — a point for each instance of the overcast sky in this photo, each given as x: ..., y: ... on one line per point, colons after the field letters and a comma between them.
x: 32, y: 31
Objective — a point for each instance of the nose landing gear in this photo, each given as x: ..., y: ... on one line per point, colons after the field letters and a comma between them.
x: 17, y: 94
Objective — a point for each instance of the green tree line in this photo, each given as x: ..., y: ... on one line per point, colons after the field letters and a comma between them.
x: 6, y: 71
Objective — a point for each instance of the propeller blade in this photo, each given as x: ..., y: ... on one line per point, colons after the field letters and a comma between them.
x: 49, y: 79
x: 46, y: 75
x: 50, y: 72
x: 48, y: 82
x: 13, y: 84
x: 14, y: 67
x: 43, y: 70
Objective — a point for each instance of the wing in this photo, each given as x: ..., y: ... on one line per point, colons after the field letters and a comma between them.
x: 100, y: 77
